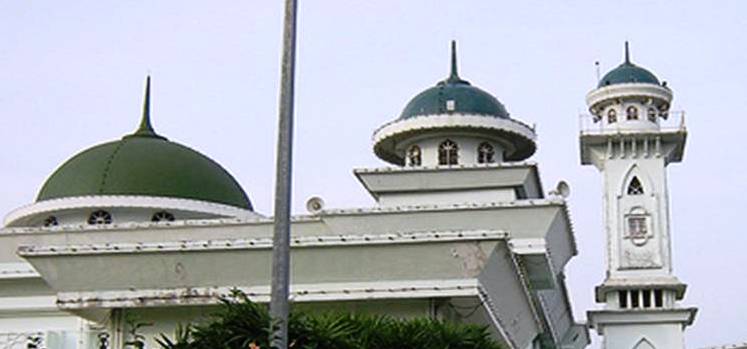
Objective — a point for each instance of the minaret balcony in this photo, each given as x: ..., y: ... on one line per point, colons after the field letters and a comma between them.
x: 664, y: 139
x: 671, y: 121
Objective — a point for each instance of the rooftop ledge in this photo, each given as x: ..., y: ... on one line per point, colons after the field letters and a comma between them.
x: 470, y: 167
x: 298, y: 293
x: 259, y: 243
x: 139, y: 201
x: 225, y: 222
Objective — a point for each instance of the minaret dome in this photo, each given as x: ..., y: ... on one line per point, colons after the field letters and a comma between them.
x: 454, y: 123
x: 629, y: 97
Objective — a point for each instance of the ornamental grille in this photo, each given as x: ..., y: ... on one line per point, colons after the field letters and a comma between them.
x: 162, y: 216
x: 100, y: 217
x: 448, y: 153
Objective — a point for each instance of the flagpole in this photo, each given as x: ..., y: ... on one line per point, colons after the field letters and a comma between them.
x: 279, y: 306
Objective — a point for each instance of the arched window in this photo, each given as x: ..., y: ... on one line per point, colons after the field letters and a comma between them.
x: 632, y: 113
x: 100, y: 217
x: 414, y: 156
x: 162, y: 216
x: 448, y: 153
x: 651, y: 114
x: 50, y: 221
x: 635, y: 187
x: 485, y: 153
x: 611, y: 116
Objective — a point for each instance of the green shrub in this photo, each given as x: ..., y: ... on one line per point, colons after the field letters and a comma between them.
x: 241, y: 324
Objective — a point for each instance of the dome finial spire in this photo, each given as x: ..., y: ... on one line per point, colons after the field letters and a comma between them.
x: 454, y: 73
x: 145, y: 128
x: 627, y: 52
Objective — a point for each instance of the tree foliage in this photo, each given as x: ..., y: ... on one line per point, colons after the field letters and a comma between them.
x: 241, y: 324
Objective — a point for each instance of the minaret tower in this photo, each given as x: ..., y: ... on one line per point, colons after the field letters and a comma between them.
x: 630, y: 141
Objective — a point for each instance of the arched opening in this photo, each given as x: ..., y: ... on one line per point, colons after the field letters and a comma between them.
x: 485, y: 153
x: 635, y: 187
x: 652, y: 114
x: 448, y: 153
x: 611, y: 116
x: 414, y: 157
x: 632, y: 113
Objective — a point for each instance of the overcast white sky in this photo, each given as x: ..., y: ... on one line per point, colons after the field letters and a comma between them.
x: 72, y: 73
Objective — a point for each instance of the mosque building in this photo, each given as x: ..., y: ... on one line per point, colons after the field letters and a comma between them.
x: 462, y: 230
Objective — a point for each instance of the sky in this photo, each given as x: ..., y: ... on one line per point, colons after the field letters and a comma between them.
x: 72, y: 75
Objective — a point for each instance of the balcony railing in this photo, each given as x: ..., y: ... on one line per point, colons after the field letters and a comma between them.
x: 590, y: 124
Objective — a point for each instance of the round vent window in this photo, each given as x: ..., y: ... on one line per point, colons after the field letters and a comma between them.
x: 100, y: 217
x: 162, y: 216
x: 50, y: 221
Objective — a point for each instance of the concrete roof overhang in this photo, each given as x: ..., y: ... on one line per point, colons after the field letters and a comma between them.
x: 599, y: 319
x: 672, y: 142
x: 387, y: 180
x: 501, y: 252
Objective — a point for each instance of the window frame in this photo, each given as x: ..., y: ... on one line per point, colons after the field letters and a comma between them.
x: 631, y: 112
x: 485, y: 153
x: 611, y: 116
x: 635, y: 187
x: 100, y: 217
x: 414, y: 156
x: 448, y: 153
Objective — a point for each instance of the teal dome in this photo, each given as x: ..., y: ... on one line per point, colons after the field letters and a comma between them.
x: 467, y: 99
x: 144, y: 164
x: 628, y: 72
x: 460, y: 94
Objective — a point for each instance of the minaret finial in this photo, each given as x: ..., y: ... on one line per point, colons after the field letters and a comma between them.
x: 145, y: 127
x: 627, y: 52
x: 454, y: 73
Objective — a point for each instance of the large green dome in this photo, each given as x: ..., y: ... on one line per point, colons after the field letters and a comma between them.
x: 149, y: 166
x: 628, y: 72
x: 146, y: 164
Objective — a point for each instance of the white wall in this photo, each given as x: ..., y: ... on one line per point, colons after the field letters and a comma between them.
x: 448, y: 197
x: 467, y: 148
x: 661, y: 336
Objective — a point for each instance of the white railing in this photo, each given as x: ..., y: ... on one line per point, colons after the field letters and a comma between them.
x: 54, y: 340
x: 20, y: 340
x: 590, y: 124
